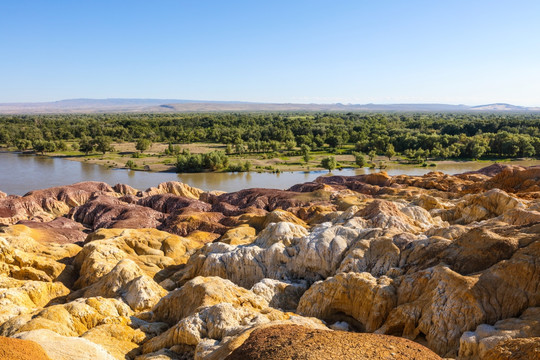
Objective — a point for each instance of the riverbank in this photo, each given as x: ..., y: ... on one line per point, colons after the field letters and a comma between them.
x: 125, y: 155
x: 154, y: 159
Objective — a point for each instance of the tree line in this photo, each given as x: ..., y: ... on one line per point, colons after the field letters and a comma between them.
x: 414, y: 135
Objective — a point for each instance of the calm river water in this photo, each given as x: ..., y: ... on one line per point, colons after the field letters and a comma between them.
x: 22, y: 173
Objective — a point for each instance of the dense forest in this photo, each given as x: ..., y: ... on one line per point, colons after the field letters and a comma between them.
x: 414, y: 135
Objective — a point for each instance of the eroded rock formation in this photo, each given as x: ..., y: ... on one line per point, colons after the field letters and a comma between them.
x: 173, y: 272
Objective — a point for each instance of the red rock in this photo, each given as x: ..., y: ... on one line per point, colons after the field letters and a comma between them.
x: 61, y: 230
x: 108, y: 212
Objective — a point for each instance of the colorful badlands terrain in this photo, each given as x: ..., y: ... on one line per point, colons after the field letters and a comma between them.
x: 364, y: 267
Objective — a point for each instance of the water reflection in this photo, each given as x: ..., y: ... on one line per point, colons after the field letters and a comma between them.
x: 22, y: 173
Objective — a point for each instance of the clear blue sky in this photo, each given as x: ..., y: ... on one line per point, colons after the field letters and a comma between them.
x: 361, y: 51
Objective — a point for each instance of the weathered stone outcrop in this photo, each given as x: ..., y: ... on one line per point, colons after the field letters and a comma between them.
x: 190, y: 221
x: 109, y: 212
x: 119, y: 340
x: 360, y: 299
x: 283, y: 295
x: 487, y: 340
x: 241, y: 235
x: 175, y: 188
x: 21, y: 297
x: 60, y: 230
x: 209, y: 313
x: 377, y: 256
x: 239, y: 202
x: 203, y: 292
x: 477, y: 207
x: 152, y: 250
x: 169, y: 203
x: 521, y: 348
x: 71, y: 319
x: 516, y: 179
x: 429, y: 300
x: 27, y: 254
x: 125, y: 190
x: 173, y: 272
x: 288, y: 251
x: 47, y: 204
x: 59, y: 347
x: 128, y: 282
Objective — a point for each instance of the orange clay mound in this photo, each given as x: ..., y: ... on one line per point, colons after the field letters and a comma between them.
x: 298, y: 342
x: 17, y: 349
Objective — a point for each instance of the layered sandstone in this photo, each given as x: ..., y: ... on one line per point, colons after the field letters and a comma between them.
x: 173, y: 272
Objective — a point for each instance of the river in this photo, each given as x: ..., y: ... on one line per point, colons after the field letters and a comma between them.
x: 21, y: 173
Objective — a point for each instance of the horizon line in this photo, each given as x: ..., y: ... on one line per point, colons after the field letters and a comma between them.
x: 267, y: 102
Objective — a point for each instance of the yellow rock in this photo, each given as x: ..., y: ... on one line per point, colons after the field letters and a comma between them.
x: 175, y: 188
x: 202, y: 237
x: 23, y: 256
x: 127, y: 281
x: 71, y: 319
x: 363, y: 299
x: 209, y: 313
x: 152, y: 250
x: 279, y: 215
x: 202, y: 292
x: 117, y: 339
x: 241, y: 235
x: 21, y: 297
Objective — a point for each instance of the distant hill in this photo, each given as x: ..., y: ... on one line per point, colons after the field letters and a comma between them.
x: 176, y: 105
x: 503, y: 107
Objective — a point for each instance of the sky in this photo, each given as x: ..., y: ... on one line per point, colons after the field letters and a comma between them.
x: 300, y: 51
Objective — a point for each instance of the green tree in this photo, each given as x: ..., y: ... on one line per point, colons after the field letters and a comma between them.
x: 86, y: 145
x: 334, y: 141
x: 372, y: 155
x: 50, y: 146
x: 215, y: 160
x: 103, y: 144
x: 525, y: 146
x: 23, y: 144
x: 477, y: 150
x: 172, y: 149
x: 305, y: 153
x: 318, y: 141
x: 143, y: 144
x: 359, y: 159
x: 528, y: 150
x: 390, y: 152
x: 360, y: 146
x: 239, y: 147
x: 329, y: 163
x: 39, y: 146
x: 42, y: 146
x: 274, y: 145
x: 61, y: 145
x: 290, y: 145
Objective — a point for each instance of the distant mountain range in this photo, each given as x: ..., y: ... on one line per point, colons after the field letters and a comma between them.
x: 175, y: 105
